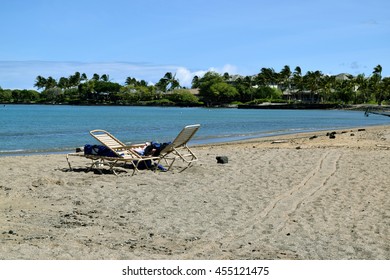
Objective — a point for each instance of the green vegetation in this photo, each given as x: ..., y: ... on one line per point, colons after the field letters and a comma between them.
x: 212, y: 89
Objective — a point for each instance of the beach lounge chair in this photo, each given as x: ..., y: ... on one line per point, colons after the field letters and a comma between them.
x: 122, y: 153
x: 179, y: 149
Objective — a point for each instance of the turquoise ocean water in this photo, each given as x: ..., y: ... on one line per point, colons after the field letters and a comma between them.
x: 26, y: 129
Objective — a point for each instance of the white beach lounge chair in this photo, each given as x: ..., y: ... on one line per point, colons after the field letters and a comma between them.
x: 179, y: 149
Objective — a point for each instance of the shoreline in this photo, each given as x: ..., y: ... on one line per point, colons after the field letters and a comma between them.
x: 302, y: 135
x: 26, y: 144
x: 301, y: 106
x: 207, y: 143
x: 302, y: 196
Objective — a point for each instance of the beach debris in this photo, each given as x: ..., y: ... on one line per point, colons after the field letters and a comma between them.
x: 222, y: 159
x: 279, y: 141
x: 383, y: 146
x: 332, y: 135
x: 10, y: 232
x: 192, y: 239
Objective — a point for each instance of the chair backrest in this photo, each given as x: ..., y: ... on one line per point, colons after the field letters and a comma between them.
x: 106, y: 138
x: 183, y: 137
x: 111, y: 142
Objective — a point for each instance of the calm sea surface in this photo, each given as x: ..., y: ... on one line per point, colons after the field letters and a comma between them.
x: 28, y: 129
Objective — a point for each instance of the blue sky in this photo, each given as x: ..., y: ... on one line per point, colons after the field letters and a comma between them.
x: 145, y: 39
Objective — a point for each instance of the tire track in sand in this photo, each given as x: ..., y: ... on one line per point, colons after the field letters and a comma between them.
x: 278, y: 211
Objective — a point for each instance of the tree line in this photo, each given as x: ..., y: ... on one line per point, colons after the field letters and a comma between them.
x: 211, y: 89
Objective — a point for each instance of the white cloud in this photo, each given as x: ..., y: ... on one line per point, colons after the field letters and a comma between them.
x: 185, y: 76
x: 231, y: 69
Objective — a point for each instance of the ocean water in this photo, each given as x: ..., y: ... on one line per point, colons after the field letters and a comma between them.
x: 26, y: 129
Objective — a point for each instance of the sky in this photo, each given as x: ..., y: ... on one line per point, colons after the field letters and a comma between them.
x: 144, y: 39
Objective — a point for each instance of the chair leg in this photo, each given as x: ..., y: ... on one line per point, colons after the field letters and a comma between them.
x: 97, y: 164
x: 188, y: 166
x: 166, y: 162
x: 173, y: 160
x: 135, y: 167
x: 67, y: 159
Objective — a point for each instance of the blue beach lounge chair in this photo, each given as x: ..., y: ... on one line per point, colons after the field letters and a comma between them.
x: 120, y: 153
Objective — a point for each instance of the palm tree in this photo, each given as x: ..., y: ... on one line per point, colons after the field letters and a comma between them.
x: 297, y: 81
x: 83, y: 77
x: 375, y: 81
x: 105, y: 78
x: 95, y: 77
x: 130, y: 81
x: 327, y: 84
x: 63, y: 83
x: 386, y: 88
x: 361, y: 87
x: 40, y: 82
x: 378, y: 70
x: 345, y: 90
x: 266, y: 77
x: 143, y: 83
x: 74, y: 80
x: 195, y: 82
x: 50, y: 83
x: 312, y: 82
x: 285, y: 78
x: 168, y: 82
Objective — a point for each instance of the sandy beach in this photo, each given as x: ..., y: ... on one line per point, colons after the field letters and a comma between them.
x: 303, y: 196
